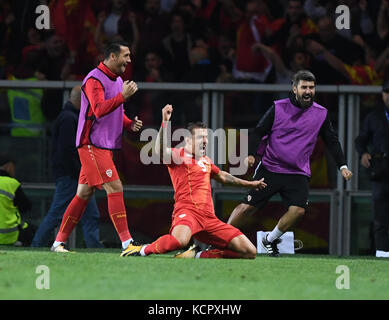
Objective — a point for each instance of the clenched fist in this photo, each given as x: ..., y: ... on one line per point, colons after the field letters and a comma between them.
x: 129, y: 88
x: 259, y: 184
x: 167, y: 112
x: 136, y: 124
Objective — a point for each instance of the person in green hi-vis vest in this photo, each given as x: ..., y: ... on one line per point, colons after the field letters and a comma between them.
x: 25, y: 106
x: 13, y: 202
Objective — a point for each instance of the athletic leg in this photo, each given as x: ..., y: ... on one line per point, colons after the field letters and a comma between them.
x: 239, y: 247
x: 240, y: 212
x: 73, y: 213
x: 287, y: 221
x: 294, y: 193
x: 184, y: 225
x: 228, y: 241
x: 117, y: 211
x: 178, y: 239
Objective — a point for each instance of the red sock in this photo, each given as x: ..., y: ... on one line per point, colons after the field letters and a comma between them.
x: 218, y: 254
x: 163, y: 244
x: 71, y: 217
x: 117, y: 213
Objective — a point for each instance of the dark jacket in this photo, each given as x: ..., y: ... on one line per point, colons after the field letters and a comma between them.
x: 65, y: 159
x: 374, y: 132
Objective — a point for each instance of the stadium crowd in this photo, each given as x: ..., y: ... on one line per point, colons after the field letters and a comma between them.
x: 252, y: 41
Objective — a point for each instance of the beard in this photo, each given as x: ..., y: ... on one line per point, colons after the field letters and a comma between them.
x: 305, y: 100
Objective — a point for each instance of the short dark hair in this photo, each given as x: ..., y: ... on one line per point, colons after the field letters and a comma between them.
x: 6, y: 158
x: 304, y: 75
x: 195, y: 125
x: 114, y: 47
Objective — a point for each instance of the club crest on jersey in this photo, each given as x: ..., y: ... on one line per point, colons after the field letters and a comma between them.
x: 109, y: 173
x: 202, y: 163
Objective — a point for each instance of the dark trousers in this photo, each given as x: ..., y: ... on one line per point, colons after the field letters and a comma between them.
x: 381, y: 215
x: 66, y: 188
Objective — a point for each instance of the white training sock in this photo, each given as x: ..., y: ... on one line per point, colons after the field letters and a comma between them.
x: 198, y: 254
x: 56, y: 243
x: 126, y: 243
x: 275, y: 234
x: 142, y: 250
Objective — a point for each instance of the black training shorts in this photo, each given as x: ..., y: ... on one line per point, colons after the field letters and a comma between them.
x: 293, y: 189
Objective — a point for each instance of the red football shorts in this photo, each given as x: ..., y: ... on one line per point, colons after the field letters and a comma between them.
x: 206, y: 228
x: 97, y: 166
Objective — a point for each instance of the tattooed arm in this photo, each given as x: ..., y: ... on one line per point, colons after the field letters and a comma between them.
x: 226, y: 178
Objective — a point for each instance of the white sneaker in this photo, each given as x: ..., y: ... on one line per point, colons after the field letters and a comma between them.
x: 59, y: 248
x: 190, y: 253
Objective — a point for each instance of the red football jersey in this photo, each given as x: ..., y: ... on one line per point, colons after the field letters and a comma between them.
x: 192, y: 181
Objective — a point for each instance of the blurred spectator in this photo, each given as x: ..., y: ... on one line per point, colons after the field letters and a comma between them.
x: 224, y: 58
x: 360, y: 72
x: 195, y: 24
x: 177, y: 46
x: 66, y: 167
x: 251, y: 66
x: 54, y: 64
x: 201, y: 70
x: 167, y: 5
x: 314, y: 9
x: 154, y: 69
x: 72, y: 18
x: 117, y: 20
x: 13, y: 205
x: 10, y: 44
x: 346, y: 50
x: 383, y: 21
x: 295, y: 24
x: 362, y: 24
x: 382, y: 62
x: 299, y: 60
x: 54, y: 59
x: 118, y: 23
x: 153, y: 26
x: 148, y: 103
x: 25, y: 16
x: 34, y: 43
x: 222, y: 16
x: 25, y: 104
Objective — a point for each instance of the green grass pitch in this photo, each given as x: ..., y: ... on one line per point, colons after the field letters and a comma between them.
x: 103, y: 274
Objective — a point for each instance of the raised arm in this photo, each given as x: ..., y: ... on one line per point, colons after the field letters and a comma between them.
x: 273, y: 56
x: 382, y: 23
x: 227, y: 178
x: 316, y: 49
x: 381, y: 60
